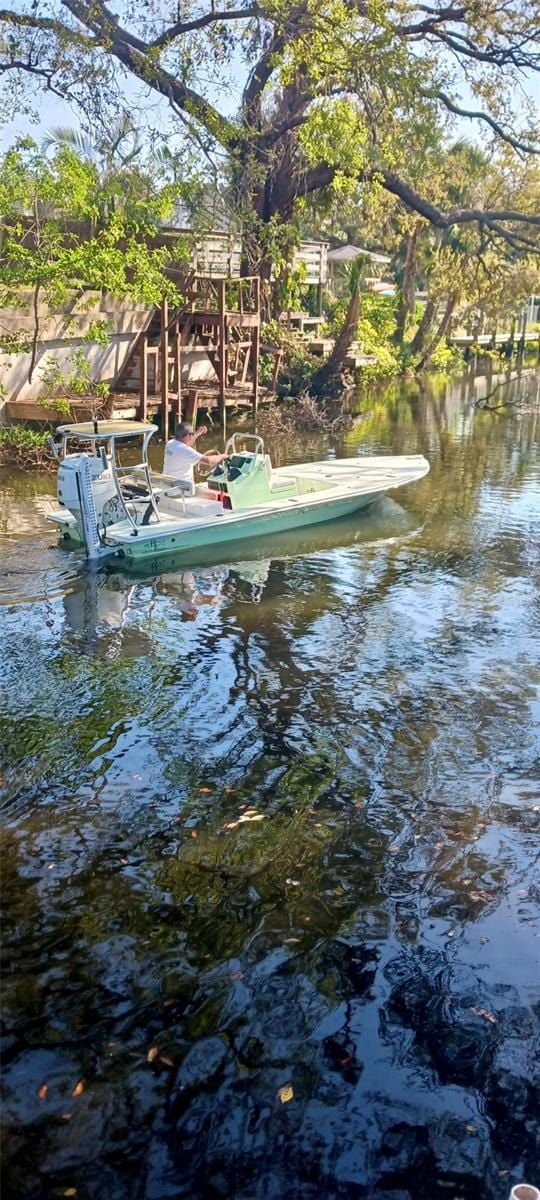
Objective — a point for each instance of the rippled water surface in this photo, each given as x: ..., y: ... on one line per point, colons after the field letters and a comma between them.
x: 269, y: 836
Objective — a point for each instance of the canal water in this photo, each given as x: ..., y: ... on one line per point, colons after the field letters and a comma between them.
x: 269, y: 840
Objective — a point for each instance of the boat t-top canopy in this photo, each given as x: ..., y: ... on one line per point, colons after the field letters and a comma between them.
x: 97, y: 430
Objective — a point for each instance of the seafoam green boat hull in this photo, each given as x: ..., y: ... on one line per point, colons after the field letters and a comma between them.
x: 137, y: 548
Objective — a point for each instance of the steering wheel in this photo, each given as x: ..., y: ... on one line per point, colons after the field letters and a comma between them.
x: 205, y: 469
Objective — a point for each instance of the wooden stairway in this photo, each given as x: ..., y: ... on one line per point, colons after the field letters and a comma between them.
x: 218, y: 317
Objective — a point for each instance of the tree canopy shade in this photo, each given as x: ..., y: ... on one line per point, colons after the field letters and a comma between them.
x: 331, y: 93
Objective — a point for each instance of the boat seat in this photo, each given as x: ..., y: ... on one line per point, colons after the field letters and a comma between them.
x: 277, y: 488
x: 166, y: 483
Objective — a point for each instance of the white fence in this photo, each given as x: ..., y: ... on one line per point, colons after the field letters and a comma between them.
x: 219, y: 254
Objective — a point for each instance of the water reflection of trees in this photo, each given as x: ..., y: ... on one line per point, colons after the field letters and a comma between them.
x: 334, y: 944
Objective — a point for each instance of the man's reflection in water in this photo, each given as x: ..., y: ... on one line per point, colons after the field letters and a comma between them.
x: 184, y: 589
x: 187, y: 587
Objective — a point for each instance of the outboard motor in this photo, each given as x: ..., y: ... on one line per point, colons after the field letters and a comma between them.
x: 85, y: 487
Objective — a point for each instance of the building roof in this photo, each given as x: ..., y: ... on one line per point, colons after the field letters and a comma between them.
x: 348, y: 253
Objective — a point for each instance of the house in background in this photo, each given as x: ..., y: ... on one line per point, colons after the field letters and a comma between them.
x: 340, y: 258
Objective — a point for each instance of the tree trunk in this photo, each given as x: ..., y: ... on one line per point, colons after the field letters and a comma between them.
x: 439, y: 332
x: 424, y: 329
x: 408, y: 288
x: 35, y: 334
x: 327, y: 375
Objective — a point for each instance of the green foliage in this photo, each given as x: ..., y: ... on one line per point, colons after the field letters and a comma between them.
x: 24, y: 448
x: 21, y: 436
x: 335, y: 133
x: 60, y: 387
x: 67, y: 230
x: 446, y: 359
x: 298, y: 365
x: 376, y: 328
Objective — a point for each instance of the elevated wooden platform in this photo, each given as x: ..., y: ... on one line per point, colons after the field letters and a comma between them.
x: 218, y: 323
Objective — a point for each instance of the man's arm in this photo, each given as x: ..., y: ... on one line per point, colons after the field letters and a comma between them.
x: 213, y: 459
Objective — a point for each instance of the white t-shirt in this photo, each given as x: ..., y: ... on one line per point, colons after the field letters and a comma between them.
x: 180, y: 459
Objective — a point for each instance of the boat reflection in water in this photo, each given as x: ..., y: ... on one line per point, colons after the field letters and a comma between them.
x: 110, y: 599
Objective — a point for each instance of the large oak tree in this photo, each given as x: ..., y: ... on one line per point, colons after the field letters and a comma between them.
x: 302, y: 96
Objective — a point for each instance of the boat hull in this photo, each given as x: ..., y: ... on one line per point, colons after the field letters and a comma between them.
x: 264, y: 524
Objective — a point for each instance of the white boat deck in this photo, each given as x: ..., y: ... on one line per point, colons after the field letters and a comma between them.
x: 350, y: 477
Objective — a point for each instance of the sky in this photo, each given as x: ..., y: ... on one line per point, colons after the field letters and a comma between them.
x: 54, y: 112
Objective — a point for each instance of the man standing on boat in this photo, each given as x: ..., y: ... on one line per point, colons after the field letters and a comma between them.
x: 181, y: 456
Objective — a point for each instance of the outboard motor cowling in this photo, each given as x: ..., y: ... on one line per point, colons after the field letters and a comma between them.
x: 85, y: 485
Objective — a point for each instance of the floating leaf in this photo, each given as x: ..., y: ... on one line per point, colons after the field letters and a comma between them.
x: 194, y: 833
x: 471, y: 1129
x: 236, y: 975
x: 291, y: 941
x: 43, y: 1091
x: 293, y: 882
x: 69, y: 1192
x: 66, y: 1116
x: 205, y: 791
x: 439, y: 845
x: 450, y: 933
x: 249, y: 817
x: 165, y: 1059
x: 152, y: 1054
x: 483, y: 1012
x: 393, y: 847
x: 285, y: 1093
x: 78, y: 1089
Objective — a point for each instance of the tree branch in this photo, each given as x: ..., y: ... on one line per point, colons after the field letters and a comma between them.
x: 137, y: 57
x: 16, y: 64
x: 497, y: 56
x: 210, y: 18
x: 459, y: 216
x: 482, y: 116
x: 46, y: 24
x: 260, y: 75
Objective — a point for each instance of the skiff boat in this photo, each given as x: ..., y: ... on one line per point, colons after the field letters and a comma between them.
x: 127, y: 510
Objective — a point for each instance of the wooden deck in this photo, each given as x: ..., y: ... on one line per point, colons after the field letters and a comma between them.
x: 125, y: 405
x: 463, y: 340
